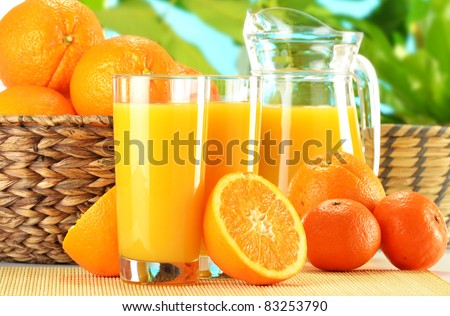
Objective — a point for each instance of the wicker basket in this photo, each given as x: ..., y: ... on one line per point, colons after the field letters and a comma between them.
x: 51, y: 170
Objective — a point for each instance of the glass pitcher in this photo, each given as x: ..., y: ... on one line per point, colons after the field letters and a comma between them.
x: 309, y: 75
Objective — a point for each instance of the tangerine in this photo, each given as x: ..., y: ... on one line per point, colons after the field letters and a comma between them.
x: 413, y: 230
x: 92, y: 241
x: 338, y: 176
x: 41, y: 41
x: 91, y: 87
x: 251, y: 230
x: 341, y: 234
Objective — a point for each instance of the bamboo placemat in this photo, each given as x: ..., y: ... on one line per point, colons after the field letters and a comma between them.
x: 74, y: 281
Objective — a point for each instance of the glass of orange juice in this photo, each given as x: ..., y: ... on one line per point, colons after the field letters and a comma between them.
x: 305, y: 114
x: 234, y: 111
x: 159, y: 132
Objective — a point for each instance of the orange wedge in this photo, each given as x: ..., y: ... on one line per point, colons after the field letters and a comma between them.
x: 92, y: 241
x: 251, y: 230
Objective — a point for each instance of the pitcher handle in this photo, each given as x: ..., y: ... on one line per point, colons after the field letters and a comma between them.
x: 369, y: 96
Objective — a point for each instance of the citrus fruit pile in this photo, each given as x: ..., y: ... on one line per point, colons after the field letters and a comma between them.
x: 59, y: 46
x: 347, y: 217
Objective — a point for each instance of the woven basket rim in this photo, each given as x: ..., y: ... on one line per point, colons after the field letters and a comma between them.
x: 414, y: 130
x: 45, y: 120
x: 391, y: 125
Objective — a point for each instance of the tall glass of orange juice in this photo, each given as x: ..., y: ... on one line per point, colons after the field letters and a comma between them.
x: 234, y: 112
x: 305, y: 115
x: 159, y: 131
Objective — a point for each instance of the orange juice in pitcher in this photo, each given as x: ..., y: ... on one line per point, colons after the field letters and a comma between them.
x: 294, y: 134
x: 310, y: 74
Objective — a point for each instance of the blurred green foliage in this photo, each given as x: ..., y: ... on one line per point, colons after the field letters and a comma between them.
x: 408, y: 42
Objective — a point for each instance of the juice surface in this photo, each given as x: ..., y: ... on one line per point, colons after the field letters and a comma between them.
x: 233, y: 135
x: 160, y: 181
x: 292, y: 134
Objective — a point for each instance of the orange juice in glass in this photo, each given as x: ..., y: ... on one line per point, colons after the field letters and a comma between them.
x: 234, y: 112
x: 159, y: 129
x: 303, y: 117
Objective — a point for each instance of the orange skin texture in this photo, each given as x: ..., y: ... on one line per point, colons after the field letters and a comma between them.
x: 341, y: 234
x: 41, y: 42
x: 348, y: 179
x: 91, y: 87
x: 34, y: 100
x: 413, y: 230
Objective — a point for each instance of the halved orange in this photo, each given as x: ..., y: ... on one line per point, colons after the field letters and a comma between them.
x: 92, y: 241
x: 251, y: 230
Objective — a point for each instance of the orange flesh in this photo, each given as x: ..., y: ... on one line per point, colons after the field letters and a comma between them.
x: 261, y: 234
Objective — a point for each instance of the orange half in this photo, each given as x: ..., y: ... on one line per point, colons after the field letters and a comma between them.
x: 92, y: 241
x: 251, y: 230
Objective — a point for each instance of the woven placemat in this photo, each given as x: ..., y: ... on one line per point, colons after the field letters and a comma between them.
x: 74, y: 281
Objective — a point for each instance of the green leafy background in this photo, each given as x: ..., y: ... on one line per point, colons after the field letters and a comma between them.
x: 408, y: 42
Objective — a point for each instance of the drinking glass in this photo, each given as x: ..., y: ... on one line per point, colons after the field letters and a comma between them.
x: 159, y: 131
x: 234, y: 112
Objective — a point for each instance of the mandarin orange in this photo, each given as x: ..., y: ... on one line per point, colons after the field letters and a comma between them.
x: 413, y: 230
x: 341, y: 234
x: 41, y: 41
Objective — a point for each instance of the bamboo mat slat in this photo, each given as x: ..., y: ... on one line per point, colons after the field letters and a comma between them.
x: 74, y: 281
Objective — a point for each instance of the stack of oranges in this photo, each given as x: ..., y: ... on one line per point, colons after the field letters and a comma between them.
x: 55, y: 60
x: 348, y: 217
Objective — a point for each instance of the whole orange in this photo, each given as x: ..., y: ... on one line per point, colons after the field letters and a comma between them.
x: 33, y: 100
x: 337, y: 176
x: 341, y: 235
x: 413, y: 230
x: 91, y: 87
x: 41, y: 41
x: 92, y: 241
